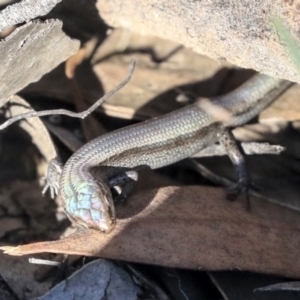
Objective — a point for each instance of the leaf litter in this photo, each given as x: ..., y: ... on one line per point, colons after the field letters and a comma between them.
x: 171, y: 221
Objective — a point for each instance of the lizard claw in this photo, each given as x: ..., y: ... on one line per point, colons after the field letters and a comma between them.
x: 241, y: 187
x: 52, y: 178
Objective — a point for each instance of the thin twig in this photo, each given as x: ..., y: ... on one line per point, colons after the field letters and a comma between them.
x: 69, y: 113
x: 46, y: 262
x: 146, y: 281
x: 25, y: 11
x: 250, y: 148
x: 211, y: 176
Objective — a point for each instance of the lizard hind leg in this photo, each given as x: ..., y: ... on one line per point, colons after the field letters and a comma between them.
x: 237, y: 157
x: 124, y: 183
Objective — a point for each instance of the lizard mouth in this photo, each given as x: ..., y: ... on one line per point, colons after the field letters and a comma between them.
x: 94, y: 220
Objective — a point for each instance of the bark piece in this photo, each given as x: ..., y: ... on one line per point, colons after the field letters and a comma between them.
x: 30, y: 52
x: 25, y: 11
x: 240, y: 32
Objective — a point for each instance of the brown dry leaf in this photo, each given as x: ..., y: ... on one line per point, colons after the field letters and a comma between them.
x: 192, y: 227
x: 10, y: 224
x: 79, y: 64
x: 153, y: 88
x: 122, y: 39
x: 36, y: 129
x: 286, y: 107
x: 150, y: 79
x: 26, y: 214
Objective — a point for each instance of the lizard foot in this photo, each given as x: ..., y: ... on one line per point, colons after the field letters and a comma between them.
x: 242, y: 187
x: 52, y: 178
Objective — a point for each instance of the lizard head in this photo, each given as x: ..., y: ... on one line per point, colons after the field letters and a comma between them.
x: 93, y: 207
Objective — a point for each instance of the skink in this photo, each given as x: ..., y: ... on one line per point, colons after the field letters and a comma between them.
x: 155, y: 143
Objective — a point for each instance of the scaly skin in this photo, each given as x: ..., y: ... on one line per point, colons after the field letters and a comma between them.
x: 156, y: 143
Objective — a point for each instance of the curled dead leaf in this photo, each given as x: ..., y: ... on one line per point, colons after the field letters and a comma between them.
x: 192, y: 227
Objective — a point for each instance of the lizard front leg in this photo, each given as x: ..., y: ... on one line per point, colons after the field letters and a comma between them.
x: 52, y: 178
